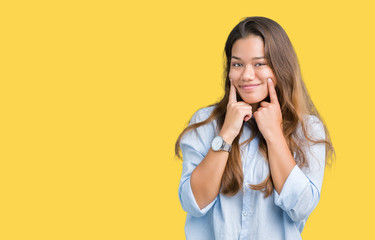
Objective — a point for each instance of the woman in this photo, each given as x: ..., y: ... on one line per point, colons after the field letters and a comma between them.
x: 253, y: 163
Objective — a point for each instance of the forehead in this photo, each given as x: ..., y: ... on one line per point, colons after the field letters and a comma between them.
x: 248, y: 48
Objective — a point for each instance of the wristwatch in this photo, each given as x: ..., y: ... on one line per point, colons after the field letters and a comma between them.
x: 218, y: 144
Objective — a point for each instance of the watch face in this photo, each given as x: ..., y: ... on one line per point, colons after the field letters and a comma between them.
x: 217, y: 143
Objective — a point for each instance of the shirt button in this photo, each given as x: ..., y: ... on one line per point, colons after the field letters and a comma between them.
x: 244, y: 213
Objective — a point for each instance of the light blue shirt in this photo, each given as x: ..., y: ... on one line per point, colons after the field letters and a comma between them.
x: 248, y: 215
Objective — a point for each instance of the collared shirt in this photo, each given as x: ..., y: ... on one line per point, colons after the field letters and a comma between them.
x: 247, y: 214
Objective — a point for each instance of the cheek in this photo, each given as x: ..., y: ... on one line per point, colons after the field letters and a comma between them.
x: 233, y: 75
x: 265, y: 73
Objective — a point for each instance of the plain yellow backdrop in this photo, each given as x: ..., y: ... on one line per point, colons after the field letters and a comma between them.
x: 94, y: 94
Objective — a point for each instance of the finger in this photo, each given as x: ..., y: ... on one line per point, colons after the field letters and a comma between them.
x: 255, y: 114
x: 232, y: 93
x: 247, y: 117
x: 249, y: 113
x: 264, y: 104
x: 272, y: 91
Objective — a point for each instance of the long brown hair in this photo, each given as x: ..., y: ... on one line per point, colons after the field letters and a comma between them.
x: 293, y: 97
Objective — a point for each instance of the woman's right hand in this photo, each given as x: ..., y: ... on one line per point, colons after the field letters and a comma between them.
x: 237, y: 113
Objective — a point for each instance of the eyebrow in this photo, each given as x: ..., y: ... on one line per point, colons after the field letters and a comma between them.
x: 254, y: 58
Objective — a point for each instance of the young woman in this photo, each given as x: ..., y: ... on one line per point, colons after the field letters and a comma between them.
x: 253, y: 163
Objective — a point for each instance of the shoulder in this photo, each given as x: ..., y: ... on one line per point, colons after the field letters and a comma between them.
x: 314, y: 127
x: 199, y: 138
x: 202, y: 114
x: 311, y: 119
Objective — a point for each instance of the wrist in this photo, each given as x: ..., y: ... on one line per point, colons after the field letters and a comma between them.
x: 276, y: 136
x: 228, y: 138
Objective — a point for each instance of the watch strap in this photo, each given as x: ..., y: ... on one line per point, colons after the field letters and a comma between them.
x: 219, y: 144
x: 226, y: 147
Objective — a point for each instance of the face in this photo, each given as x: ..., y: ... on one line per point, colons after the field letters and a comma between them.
x: 249, y: 70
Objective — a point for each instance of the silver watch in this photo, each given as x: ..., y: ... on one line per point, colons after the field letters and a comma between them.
x: 218, y: 144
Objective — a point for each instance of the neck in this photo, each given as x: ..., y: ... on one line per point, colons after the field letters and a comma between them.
x: 255, y: 107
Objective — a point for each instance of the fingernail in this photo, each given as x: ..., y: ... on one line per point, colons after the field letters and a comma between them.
x: 269, y: 79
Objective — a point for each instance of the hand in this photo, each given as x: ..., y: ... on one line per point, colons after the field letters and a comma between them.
x: 237, y: 112
x: 268, y: 116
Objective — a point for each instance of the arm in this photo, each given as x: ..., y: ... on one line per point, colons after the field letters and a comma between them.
x: 206, y: 177
x: 297, y: 191
x: 301, y: 191
x: 280, y: 159
x: 195, y: 148
x: 203, y: 170
x: 269, y: 120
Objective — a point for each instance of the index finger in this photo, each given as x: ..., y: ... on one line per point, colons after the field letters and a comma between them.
x: 232, y: 93
x: 272, y: 91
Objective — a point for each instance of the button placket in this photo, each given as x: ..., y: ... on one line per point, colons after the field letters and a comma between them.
x: 247, y: 210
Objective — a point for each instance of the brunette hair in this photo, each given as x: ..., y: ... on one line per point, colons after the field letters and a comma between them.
x: 295, y: 103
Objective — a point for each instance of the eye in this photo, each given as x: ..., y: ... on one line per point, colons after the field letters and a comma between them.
x: 259, y: 64
x: 236, y: 64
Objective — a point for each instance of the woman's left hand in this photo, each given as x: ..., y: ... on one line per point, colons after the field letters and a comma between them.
x: 268, y: 115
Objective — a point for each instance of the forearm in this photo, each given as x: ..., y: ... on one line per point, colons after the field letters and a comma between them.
x: 280, y: 159
x: 206, y: 178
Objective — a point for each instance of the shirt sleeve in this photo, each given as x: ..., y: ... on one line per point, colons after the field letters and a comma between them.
x: 194, y: 147
x: 301, y: 191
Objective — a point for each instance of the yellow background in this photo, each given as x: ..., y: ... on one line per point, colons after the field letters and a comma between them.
x: 94, y: 94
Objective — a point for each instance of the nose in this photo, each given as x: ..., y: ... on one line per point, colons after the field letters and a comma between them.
x: 248, y: 74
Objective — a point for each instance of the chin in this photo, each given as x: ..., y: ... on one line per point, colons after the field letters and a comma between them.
x: 250, y: 102
x: 253, y: 100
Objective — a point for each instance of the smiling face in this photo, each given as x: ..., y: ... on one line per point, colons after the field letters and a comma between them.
x: 249, y: 69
